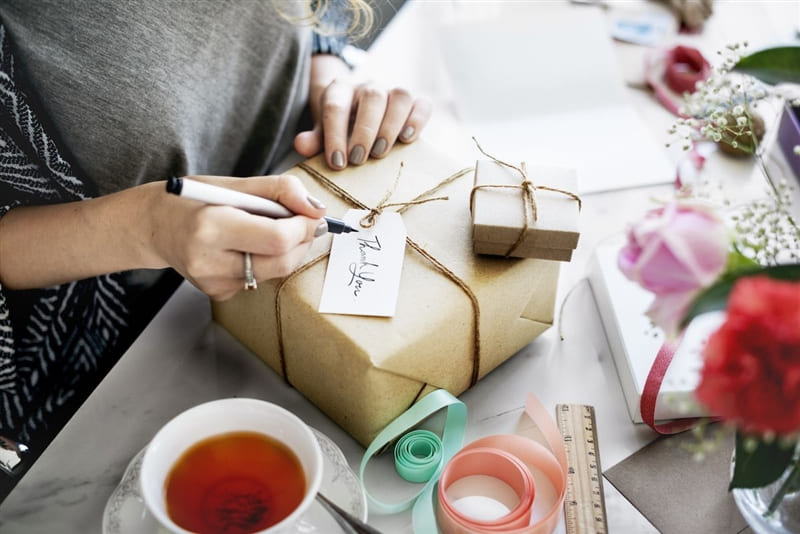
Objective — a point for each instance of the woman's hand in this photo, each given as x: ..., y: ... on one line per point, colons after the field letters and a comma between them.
x: 145, y: 227
x: 356, y: 121
x: 206, y: 243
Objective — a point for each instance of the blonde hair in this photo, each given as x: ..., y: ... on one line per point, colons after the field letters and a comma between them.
x: 359, y: 12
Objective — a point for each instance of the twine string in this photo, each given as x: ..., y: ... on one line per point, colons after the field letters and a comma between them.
x: 419, y: 199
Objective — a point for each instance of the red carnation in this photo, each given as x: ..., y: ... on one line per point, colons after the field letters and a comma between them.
x: 751, y: 373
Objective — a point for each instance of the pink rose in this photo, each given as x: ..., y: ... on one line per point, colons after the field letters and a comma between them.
x: 675, y: 251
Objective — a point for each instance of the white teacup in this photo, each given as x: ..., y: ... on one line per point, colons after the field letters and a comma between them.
x: 221, y: 417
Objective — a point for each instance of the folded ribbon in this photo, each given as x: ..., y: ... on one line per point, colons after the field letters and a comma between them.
x: 452, y: 439
x: 418, y: 455
x: 685, y: 67
x: 673, y: 72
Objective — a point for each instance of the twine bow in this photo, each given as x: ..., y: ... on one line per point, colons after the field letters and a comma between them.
x: 529, y: 207
x: 368, y: 220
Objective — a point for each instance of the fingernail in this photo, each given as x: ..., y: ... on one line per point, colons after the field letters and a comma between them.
x: 407, y: 133
x: 337, y: 158
x: 357, y: 155
x: 379, y: 147
x: 316, y: 203
x: 322, y: 229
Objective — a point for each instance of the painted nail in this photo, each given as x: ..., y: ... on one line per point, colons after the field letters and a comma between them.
x: 316, y: 203
x: 322, y: 229
x: 337, y: 158
x: 407, y: 133
x: 379, y: 147
x: 357, y: 155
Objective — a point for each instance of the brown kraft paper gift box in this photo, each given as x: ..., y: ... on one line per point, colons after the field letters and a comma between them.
x: 458, y: 315
x: 498, y: 212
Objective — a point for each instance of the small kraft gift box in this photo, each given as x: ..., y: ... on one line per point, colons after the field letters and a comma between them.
x: 458, y: 315
x: 525, y: 212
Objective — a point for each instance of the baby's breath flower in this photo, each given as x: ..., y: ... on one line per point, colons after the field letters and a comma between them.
x: 723, y: 110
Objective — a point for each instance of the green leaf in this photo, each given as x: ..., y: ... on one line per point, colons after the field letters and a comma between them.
x: 738, y: 262
x: 772, y: 65
x: 715, y: 298
x: 756, y: 467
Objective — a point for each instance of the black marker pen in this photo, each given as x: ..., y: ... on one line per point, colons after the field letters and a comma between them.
x: 222, y: 196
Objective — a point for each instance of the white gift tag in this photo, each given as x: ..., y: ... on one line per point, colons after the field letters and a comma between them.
x: 364, y: 267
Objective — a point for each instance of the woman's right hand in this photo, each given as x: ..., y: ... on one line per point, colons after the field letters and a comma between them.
x: 206, y: 243
x: 145, y: 227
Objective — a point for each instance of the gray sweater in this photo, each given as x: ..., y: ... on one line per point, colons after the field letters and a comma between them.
x: 139, y: 89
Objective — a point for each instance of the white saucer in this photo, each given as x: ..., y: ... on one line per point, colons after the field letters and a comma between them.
x: 125, y: 512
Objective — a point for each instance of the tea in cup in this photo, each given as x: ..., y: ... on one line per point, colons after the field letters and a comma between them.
x: 238, y: 466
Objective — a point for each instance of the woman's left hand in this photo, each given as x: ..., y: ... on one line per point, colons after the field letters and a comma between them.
x: 356, y: 121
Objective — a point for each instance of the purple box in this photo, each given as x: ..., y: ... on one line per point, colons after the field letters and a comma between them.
x: 789, y: 136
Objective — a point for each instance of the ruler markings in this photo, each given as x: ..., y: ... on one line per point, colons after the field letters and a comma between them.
x: 584, y: 503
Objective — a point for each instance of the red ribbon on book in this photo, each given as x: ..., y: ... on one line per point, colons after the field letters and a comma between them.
x: 652, y: 386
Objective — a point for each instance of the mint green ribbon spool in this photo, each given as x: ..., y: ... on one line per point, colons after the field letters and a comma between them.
x: 455, y: 423
x: 417, y: 455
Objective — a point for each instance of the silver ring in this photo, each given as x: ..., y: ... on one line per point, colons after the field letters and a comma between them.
x: 249, y: 280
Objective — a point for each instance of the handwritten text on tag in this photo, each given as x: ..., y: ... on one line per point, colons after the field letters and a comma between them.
x: 364, y: 267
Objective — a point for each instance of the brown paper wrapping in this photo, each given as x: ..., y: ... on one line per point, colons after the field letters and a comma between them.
x: 365, y: 371
x: 498, y: 213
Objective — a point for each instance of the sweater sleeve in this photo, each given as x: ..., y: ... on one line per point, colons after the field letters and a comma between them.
x: 53, y: 340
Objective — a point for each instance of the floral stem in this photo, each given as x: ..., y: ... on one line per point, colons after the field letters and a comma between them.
x: 790, y: 484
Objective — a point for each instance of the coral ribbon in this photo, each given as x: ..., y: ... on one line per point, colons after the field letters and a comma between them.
x: 542, y: 465
x: 498, y: 464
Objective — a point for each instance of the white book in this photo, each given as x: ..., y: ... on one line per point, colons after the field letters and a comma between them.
x: 634, y: 341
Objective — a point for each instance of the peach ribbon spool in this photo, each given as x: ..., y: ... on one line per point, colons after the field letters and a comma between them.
x: 514, y: 460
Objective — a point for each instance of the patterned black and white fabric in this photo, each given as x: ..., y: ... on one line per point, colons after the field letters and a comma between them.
x: 60, y: 336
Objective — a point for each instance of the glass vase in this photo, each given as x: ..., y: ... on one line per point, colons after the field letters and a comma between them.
x: 754, y: 503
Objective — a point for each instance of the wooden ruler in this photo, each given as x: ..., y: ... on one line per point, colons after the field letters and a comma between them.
x: 584, y: 503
